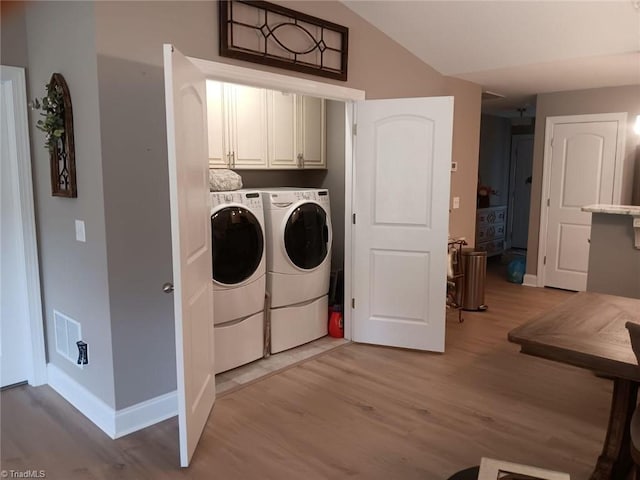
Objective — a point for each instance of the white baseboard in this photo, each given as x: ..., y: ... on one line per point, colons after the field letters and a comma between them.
x: 89, y: 405
x: 115, y: 423
x: 530, y: 280
x: 145, y: 414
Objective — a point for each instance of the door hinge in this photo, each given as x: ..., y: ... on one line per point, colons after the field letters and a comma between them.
x: 355, y: 128
x: 544, y: 260
x: 548, y: 202
x: 551, y: 142
x: 354, y: 219
x: 353, y: 303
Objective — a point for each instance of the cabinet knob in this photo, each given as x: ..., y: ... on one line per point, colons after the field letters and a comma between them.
x: 167, y: 287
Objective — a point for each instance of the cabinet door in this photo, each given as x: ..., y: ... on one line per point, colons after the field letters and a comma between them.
x: 248, y: 126
x: 282, y: 130
x: 312, y: 135
x: 216, y: 120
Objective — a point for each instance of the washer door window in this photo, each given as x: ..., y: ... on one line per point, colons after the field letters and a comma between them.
x: 236, y: 243
x: 306, y: 236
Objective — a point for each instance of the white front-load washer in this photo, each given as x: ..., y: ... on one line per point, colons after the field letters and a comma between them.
x: 298, y: 232
x: 239, y: 277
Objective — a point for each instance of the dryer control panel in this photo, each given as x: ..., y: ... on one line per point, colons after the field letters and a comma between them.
x: 287, y: 197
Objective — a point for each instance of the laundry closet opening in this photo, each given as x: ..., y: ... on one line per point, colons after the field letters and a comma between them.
x: 291, y: 146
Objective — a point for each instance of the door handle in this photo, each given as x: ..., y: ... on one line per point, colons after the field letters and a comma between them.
x: 167, y: 287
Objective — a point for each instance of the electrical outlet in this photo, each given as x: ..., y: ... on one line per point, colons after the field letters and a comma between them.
x: 80, y: 232
x: 456, y: 202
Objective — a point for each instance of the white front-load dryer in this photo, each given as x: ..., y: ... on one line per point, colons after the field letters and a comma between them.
x: 239, y: 277
x: 298, y: 232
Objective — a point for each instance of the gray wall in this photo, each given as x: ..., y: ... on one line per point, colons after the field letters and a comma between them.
x: 466, y: 139
x: 61, y: 38
x: 614, y: 263
x: 13, y: 34
x: 579, y: 102
x: 282, y: 178
x: 136, y: 202
x: 334, y: 181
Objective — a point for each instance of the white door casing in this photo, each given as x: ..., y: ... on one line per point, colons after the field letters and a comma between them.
x: 583, y: 166
x: 403, y: 158
x: 22, y: 350
x: 186, y: 105
x: 14, y: 305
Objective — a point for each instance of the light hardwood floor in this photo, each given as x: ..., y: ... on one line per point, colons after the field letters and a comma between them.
x: 358, y: 411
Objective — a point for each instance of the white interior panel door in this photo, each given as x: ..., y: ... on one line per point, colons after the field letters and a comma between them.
x: 403, y: 161
x: 15, y: 348
x: 583, y: 161
x: 191, y: 245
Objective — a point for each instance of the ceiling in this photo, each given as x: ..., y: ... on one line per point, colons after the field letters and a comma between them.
x: 517, y: 48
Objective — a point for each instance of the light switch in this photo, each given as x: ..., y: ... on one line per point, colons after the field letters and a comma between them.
x: 80, y: 233
x: 456, y: 202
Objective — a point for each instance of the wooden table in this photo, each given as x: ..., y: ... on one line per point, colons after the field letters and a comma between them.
x: 588, y: 331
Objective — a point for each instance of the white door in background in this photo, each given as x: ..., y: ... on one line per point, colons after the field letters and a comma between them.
x: 22, y: 351
x: 186, y: 106
x: 402, y: 177
x: 520, y: 189
x: 15, y: 353
x: 584, y: 156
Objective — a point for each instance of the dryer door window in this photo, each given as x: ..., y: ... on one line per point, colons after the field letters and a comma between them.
x: 236, y: 243
x: 306, y: 236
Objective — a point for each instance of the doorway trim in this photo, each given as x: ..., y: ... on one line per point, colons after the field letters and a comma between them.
x: 551, y: 122
x: 13, y: 81
x: 259, y: 78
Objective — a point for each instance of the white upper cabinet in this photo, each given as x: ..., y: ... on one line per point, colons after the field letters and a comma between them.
x: 312, y: 132
x: 253, y: 128
x: 247, y: 126
x: 297, y: 135
x: 237, y: 126
x: 217, y: 126
x: 283, y: 144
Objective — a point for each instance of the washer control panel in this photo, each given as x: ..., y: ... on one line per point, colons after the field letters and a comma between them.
x: 249, y: 198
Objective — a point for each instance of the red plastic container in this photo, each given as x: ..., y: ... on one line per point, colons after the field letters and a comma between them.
x: 336, y: 325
